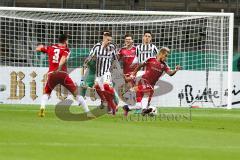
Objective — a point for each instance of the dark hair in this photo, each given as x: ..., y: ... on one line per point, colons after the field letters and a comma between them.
x: 107, y: 34
x: 128, y: 35
x: 104, y: 32
x: 147, y: 31
x: 63, y: 38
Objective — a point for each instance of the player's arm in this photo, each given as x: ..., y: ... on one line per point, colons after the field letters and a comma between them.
x: 63, y: 60
x: 119, y: 55
x: 134, y: 62
x: 115, y: 62
x: 92, y: 55
x: 155, y: 50
x: 172, y: 72
x: 138, y: 68
x: 86, y: 61
x: 41, y: 48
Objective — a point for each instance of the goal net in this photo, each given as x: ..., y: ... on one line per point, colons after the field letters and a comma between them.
x: 200, y: 42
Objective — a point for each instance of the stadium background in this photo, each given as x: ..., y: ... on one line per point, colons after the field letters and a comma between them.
x: 16, y: 52
x: 207, y: 134
x: 151, y: 5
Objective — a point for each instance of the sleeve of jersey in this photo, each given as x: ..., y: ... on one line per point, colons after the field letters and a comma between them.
x: 93, y: 51
x: 137, y: 54
x: 44, y: 49
x: 120, y: 54
x: 115, y: 54
x: 135, y: 60
x: 155, y: 50
x: 167, y: 68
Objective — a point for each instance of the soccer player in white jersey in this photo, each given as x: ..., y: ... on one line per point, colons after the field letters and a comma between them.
x: 146, y: 49
x: 105, y: 53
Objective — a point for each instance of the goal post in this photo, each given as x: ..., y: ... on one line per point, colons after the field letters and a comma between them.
x: 199, y: 42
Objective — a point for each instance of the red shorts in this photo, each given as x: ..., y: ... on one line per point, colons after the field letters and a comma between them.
x: 144, y: 86
x: 61, y: 78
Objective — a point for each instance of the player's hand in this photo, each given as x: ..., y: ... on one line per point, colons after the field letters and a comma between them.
x: 83, y: 84
x: 133, y: 74
x: 57, y: 70
x: 178, y: 67
x: 39, y: 47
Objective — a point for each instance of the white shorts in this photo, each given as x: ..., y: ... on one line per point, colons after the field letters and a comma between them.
x: 104, y: 79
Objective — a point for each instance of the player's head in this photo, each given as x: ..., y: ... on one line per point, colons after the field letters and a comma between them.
x: 163, y: 54
x: 107, y: 38
x: 128, y: 40
x: 147, y: 37
x: 104, y: 32
x: 63, y: 39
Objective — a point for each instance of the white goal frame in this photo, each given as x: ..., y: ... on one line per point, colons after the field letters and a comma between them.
x: 155, y: 13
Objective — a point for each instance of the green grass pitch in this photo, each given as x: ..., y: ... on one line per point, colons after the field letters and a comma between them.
x: 212, y: 134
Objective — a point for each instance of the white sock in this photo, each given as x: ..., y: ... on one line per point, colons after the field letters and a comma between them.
x: 44, y: 99
x: 131, y: 107
x: 83, y: 103
x: 138, y: 105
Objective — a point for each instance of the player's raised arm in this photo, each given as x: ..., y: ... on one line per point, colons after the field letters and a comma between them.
x: 40, y: 48
x: 138, y: 68
x: 172, y: 72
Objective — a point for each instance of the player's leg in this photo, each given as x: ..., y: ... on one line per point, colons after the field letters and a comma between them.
x: 105, y: 91
x: 130, y: 93
x: 139, y: 94
x: 109, y: 95
x: 115, y: 95
x: 44, y: 100
x: 50, y: 85
x: 149, y: 90
x: 140, y: 90
x: 100, y: 93
x: 83, y: 89
x: 87, y: 83
x: 90, y: 83
x: 69, y: 84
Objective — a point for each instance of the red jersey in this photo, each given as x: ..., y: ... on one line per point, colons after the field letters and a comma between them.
x: 154, y: 70
x: 127, y: 56
x: 55, y: 53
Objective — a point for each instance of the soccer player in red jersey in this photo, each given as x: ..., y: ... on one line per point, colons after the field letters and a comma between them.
x: 57, y: 73
x: 127, y: 55
x: 155, y: 67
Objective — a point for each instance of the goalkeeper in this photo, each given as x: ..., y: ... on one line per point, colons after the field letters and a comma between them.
x: 88, y: 78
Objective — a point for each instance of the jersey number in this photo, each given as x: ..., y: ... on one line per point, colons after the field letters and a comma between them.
x: 56, y: 55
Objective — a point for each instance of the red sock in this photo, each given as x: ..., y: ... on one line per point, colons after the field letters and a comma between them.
x: 150, y: 95
x: 100, y: 92
x: 109, y: 95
